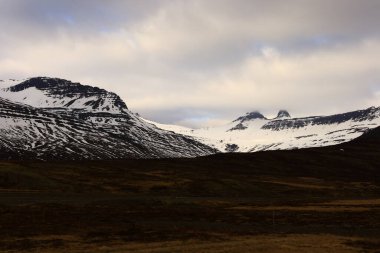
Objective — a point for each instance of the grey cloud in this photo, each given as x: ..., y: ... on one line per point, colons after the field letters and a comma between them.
x: 45, y: 18
x: 202, y: 61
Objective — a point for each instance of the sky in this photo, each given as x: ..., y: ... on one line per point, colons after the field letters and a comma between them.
x: 202, y: 63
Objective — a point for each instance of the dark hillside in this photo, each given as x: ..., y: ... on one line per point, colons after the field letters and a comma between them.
x: 324, y: 199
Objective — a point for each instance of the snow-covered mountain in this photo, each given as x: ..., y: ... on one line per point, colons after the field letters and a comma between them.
x: 254, y: 132
x: 58, y: 93
x: 50, y: 118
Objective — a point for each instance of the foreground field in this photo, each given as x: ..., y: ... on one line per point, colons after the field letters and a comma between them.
x: 268, y: 243
x: 314, y: 200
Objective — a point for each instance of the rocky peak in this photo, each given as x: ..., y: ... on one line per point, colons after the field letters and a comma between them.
x: 283, y: 114
x: 55, y: 92
x: 250, y: 116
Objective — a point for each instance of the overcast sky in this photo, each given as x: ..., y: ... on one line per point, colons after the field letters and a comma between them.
x: 202, y: 62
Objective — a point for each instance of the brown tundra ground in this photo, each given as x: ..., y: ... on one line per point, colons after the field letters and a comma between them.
x: 311, y: 200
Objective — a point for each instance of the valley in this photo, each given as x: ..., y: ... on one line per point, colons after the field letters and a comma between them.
x: 309, y: 200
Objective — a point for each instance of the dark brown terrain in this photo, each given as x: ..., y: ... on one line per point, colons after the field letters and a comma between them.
x: 311, y: 200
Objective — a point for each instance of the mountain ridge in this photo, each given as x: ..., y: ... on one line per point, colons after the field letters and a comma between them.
x: 61, y: 93
x: 254, y: 132
x: 33, y: 131
x: 32, y: 109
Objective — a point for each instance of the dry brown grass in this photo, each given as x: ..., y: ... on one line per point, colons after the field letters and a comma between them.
x: 355, y: 202
x: 360, y: 205
x: 257, y: 244
x: 315, y: 208
x: 300, y: 184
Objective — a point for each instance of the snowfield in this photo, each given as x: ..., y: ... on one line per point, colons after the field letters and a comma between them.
x: 259, y: 134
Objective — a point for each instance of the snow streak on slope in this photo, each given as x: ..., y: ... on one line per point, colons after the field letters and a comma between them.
x: 45, y: 92
x: 55, y: 118
x: 92, y: 124
x: 253, y: 132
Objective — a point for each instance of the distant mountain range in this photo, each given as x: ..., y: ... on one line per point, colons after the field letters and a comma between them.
x: 51, y: 118
x: 253, y: 132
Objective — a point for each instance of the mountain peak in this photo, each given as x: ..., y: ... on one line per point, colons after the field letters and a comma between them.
x: 46, y: 92
x: 250, y: 116
x: 283, y: 114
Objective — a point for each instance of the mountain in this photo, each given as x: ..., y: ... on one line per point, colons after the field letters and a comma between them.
x: 44, y: 92
x: 254, y: 132
x: 50, y: 118
x: 283, y: 114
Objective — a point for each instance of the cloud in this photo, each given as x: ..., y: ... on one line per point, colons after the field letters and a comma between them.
x: 202, y: 62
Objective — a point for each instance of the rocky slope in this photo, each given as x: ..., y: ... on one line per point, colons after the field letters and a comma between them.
x: 50, y: 118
